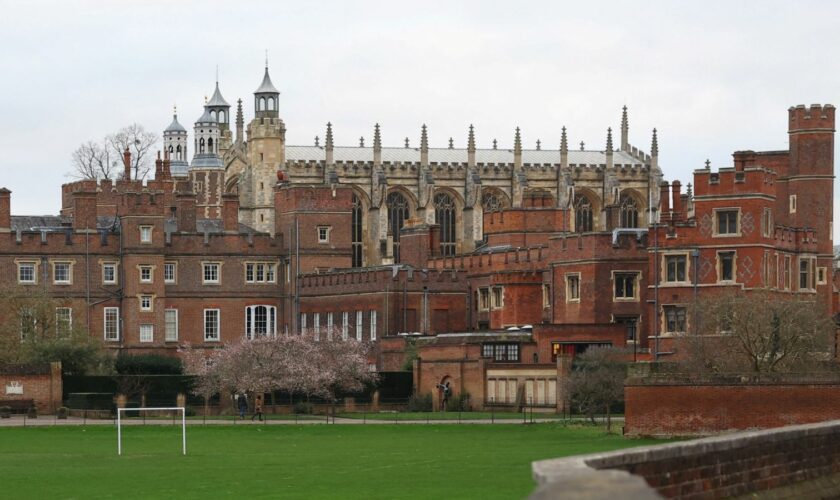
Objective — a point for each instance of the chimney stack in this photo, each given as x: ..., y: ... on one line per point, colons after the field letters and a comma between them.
x: 185, y: 201
x: 676, y: 192
x: 5, y: 210
x: 167, y: 166
x: 664, y: 198
x: 84, y: 210
x: 230, y: 213
x: 158, y: 167
x: 127, y: 164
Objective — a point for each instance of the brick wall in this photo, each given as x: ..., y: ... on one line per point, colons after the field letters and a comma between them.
x: 797, y: 461
x: 41, y: 384
x: 672, y: 406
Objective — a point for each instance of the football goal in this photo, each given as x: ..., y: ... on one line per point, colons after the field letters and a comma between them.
x: 176, y: 409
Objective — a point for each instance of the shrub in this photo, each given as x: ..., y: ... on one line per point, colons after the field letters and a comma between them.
x: 148, y: 364
x: 62, y: 412
x: 420, y: 403
x: 5, y: 411
x: 189, y: 411
x: 303, y: 408
x: 459, y: 403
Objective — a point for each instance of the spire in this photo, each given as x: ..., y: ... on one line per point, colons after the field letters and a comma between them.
x: 708, y: 164
x: 654, y: 145
x: 582, y: 146
x: 329, y: 148
x: 217, y: 100
x: 424, y: 146
x: 517, y: 143
x: 609, y: 150
x: 406, y: 143
x: 495, y: 143
x: 240, y: 121
x: 564, y: 144
x: 377, y: 138
x: 362, y: 141
x: 451, y: 143
x: 539, y: 145
x: 625, y: 129
x: 317, y: 142
x: 471, y: 139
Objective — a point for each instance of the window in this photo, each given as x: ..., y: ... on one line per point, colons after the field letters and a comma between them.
x: 629, y: 212
x: 726, y: 266
x: 583, y: 214
x: 492, y: 201
x: 445, y: 219
x: 145, y: 234
x: 767, y: 223
x: 822, y: 276
x: 62, y: 273
x: 483, y: 299
x: 63, y: 321
x: 147, y: 333
x: 793, y: 203
x: 675, y: 268
x: 316, y: 325
x: 323, y: 234
x: 546, y: 295
x: 109, y: 273
x: 211, y: 272
x: 727, y: 222
x: 170, y: 317
x: 26, y: 273
x: 373, y: 325
x: 146, y: 302
x: 261, y: 321
x: 288, y: 271
x: 573, y: 288
x: 501, y: 352
x: 302, y: 322
x: 787, y: 272
x: 345, y: 316
x: 674, y: 319
x: 211, y: 325
x: 112, y: 323
x: 498, y: 297
x: 630, y: 327
x: 28, y: 324
x: 806, y: 273
x: 169, y: 272
x: 329, y: 325
x: 626, y: 285
x: 356, y: 232
x: 397, y: 214
x: 146, y: 274
x: 359, y: 327
x: 260, y: 272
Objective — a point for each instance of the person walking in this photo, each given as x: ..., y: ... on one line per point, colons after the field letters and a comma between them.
x: 257, y: 408
x: 242, y: 402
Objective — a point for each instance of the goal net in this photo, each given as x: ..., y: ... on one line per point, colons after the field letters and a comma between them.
x: 180, y: 409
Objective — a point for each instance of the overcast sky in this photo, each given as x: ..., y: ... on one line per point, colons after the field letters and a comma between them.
x: 712, y: 77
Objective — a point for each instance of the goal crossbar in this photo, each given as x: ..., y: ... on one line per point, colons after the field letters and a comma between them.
x: 175, y: 408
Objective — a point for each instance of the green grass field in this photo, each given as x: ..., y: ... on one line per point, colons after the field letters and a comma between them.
x: 288, y: 461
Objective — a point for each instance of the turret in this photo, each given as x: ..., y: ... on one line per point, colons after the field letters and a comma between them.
x: 266, y: 98
x: 219, y: 109
x: 206, y: 142
x: 175, y: 144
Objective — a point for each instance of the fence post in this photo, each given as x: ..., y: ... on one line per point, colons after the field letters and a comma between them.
x: 492, y: 412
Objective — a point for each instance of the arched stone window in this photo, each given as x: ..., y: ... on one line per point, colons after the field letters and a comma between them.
x: 397, y: 214
x: 221, y: 117
x: 210, y: 145
x: 213, y: 115
x: 201, y: 145
x: 270, y: 104
x: 262, y: 104
x: 445, y: 218
x: 628, y: 212
x: 178, y: 152
x: 491, y: 201
x: 356, y: 232
x: 171, y: 150
x: 583, y: 214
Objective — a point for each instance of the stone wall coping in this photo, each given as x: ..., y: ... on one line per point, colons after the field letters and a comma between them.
x: 572, y: 468
x: 678, y: 379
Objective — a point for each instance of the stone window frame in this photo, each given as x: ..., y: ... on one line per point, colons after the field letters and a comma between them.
x: 204, y: 266
x: 811, y: 275
x: 663, y: 276
x: 140, y: 270
x: 174, y: 266
x: 484, y: 298
x: 546, y: 295
x: 216, y: 334
x: 716, y: 222
x: 822, y: 275
x: 497, y: 298
x: 151, y: 300
x: 664, y: 325
x: 719, y: 266
x: 116, y: 265
x: 792, y: 204
x: 568, y: 279
x: 146, y: 230
x: 25, y: 262
x: 117, y: 327
x: 787, y: 277
x: 270, y: 268
x: 70, y: 264
x: 767, y: 226
x: 150, y: 328
x: 637, y: 278
x: 325, y: 239
x: 345, y: 327
x: 167, y: 334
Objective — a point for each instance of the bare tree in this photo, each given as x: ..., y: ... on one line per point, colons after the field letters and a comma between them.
x: 597, y: 380
x: 759, y: 332
x: 93, y: 160
x: 139, y: 142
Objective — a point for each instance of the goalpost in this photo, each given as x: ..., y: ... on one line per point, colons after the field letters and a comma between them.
x: 177, y: 408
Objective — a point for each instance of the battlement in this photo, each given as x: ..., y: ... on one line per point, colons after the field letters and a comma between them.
x: 503, y: 259
x: 745, y: 177
x: 375, y: 279
x: 811, y: 118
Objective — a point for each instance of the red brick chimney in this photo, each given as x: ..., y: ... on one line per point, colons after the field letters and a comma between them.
x: 664, y: 198
x: 230, y: 212
x: 127, y: 164
x: 84, y: 210
x: 185, y: 201
x: 676, y: 186
x: 5, y: 209
x: 167, y: 172
x: 158, y: 167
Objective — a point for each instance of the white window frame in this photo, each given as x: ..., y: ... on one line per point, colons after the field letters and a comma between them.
x: 270, y: 321
x: 205, y: 266
x: 329, y: 325
x: 151, y: 302
x: 260, y: 272
x: 345, y: 319
x: 69, y: 279
x: 59, y: 321
x: 170, y: 328
x: 302, y: 322
x: 373, y: 324
x: 151, y: 270
x: 27, y: 263
x: 326, y: 230
x: 147, y: 333
x: 116, y: 324
x: 114, y: 267
x: 146, y: 234
x: 568, y: 277
x: 170, y: 278
x: 360, y: 321
x: 716, y: 223
x: 316, y: 325
x: 214, y: 336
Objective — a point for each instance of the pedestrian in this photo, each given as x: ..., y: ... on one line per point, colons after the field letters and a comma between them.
x: 257, y: 408
x: 243, y: 406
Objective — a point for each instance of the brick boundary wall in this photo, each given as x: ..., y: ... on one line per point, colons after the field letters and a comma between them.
x: 42, y: 384
x: 674, y: 406
x: 801, y: 458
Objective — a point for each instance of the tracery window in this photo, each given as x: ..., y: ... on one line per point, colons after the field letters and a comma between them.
x: 445, y: 218
x: 628, y: 212
x: 397, y: 214
x: 583, y: 214
x: 356, y: 232
x: 491, y: 202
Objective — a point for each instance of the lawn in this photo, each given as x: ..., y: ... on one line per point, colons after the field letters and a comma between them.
x: 288, y: 461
